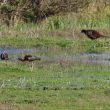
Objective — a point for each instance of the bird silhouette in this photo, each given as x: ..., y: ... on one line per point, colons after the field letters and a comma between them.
x: 92, y: 34
x: 4, y: 56
x: 29, y: 58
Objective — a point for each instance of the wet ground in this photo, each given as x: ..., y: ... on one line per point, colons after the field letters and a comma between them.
x: 88, y: 58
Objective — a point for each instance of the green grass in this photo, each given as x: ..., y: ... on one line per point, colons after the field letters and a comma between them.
x: 75, y: 86
x: 62, y: 38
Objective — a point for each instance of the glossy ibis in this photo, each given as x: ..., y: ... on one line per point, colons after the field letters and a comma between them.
x: 4, y: 56
x: 29, y: 58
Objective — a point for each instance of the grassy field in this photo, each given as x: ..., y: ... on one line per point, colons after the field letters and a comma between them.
x: 67, y: 87
x: 59, y: 85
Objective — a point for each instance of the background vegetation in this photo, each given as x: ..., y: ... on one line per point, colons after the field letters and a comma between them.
x: 14, y: 11
x: 25, y: 20
x: 36, y: 10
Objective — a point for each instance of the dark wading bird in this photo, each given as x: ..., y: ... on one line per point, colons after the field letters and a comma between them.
x: 92, y: 34
x: 29, y: 58
x: 4, y: 56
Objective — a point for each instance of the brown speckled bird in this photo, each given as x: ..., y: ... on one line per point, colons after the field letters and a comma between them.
x: 29, y: 58
x: 92, y: 34
x: 4, y: 56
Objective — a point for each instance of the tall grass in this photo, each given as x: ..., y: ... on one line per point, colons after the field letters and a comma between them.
x: 73, y: 20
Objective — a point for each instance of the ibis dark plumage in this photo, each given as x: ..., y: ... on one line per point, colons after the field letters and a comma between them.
x: 29, y: 58
x: 4, y: 56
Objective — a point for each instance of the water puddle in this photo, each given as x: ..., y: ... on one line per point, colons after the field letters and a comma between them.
x: 89, y: 58
x: 92, y: 58
x: 22, y: 50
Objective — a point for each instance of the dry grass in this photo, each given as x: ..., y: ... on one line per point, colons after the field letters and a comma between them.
x: 6, y: 107
x: 9, y: 107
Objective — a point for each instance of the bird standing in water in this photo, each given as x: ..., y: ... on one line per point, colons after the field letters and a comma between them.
x: 29, y: 58
x: 92, y: 34
x: 4, y: 56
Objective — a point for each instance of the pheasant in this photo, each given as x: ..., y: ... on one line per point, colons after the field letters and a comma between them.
x: 92, y: 34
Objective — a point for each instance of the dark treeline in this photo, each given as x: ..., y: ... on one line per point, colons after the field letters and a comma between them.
x: 13, y: 11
